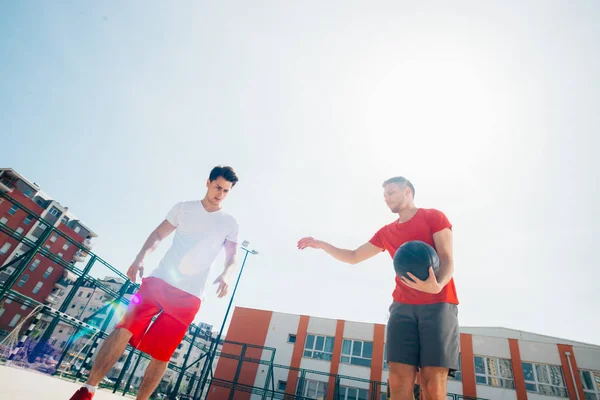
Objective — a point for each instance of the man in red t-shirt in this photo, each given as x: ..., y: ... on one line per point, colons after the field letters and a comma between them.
x: 422, y: 330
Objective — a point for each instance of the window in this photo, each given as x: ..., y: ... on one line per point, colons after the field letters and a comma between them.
x: 37, y: 287
x: 24, y: 279
x: 544, y: 379
x: 591, y: 384
x: 315, y: 389
x: 458, y: 373
x: 5, y: 247
x: 60, y: 255
x: 27, y: 192
x: 53, y: 238
x: 386, y: 366
x: 40, y: 202
x: 2, y: 310
x: 48, y: 272
x: 281, y: 386
x: 65, y: 220
x: 348, y: 393
x: 319, y: 347
x: 494, y: 372
x: 20, y: 230
x: 27, y: 220
x: 357, y: 352
x: 15, y: 320
x: 34, y: 264
x: 54, y: 211
x: 77, y: 229
x: 291, y: 338
x: 3, y: 220
x: 13, y: 210
x: 66, y: 246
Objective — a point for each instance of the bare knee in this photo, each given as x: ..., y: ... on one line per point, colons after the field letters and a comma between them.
x: 402, y: 380
x: 433, y: 382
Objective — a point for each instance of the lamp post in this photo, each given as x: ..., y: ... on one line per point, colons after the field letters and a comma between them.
x: 208, y: 363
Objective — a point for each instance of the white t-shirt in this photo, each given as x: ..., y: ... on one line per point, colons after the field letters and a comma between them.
x: 199, y: 237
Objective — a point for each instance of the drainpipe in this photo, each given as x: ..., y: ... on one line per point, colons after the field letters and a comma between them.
x: 568, y: 354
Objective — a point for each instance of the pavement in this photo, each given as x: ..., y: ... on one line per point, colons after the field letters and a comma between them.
x: 24, y: 384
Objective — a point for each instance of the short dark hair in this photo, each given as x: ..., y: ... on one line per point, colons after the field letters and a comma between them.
x: 402, y: 181
x: 226, y: 172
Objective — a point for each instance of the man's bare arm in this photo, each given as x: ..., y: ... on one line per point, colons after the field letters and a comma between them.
x: 444, y: 248
x: 157, y: 236
x: 230, y: 260
x: 348, y: 256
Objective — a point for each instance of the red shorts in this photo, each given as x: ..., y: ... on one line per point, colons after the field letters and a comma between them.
x: 177, y: 310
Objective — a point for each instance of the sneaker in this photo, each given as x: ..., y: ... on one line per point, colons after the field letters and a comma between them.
x: 82, y: 394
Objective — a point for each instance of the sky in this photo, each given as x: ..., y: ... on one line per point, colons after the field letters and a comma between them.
x: 119, y: 110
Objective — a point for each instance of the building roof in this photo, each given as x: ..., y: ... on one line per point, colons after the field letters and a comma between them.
x: 46, y: 196
x: 18, y: 175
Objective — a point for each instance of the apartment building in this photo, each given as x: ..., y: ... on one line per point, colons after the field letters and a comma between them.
x: 42, y: 277
x: 496, y: 363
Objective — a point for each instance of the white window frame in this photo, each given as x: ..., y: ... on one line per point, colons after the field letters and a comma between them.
x: 318, y: 353
x: 594, y: 380
x: 555, y: 390
x: 3, y: 220
x: 279, y: 384
x: 48, y: 272
x: 5, y: 248
x: 54, y: 211
x: 346, y: 357
x: 14, y: 321
x: 34, y: 264
x: 37, y: 287
x: 386, y: 365
x: 319, y: 387
x: 345, y: 391
x: 491, y: 379
x: 458, y: 372
x: 77, y: 229
x: 23, y: 280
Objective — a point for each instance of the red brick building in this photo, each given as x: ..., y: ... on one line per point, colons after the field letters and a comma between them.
x: 42, y: 277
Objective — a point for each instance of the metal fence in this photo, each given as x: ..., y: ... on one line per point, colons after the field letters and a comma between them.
x: 30, y: 344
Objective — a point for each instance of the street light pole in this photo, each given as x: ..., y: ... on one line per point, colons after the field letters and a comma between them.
x: 208, y: 363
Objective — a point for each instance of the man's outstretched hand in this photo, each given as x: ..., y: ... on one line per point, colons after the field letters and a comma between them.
x: 310, y: 242
x: 223, y: 281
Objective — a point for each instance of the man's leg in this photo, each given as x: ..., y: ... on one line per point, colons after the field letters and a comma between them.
x: 434, y: 382
x: 402, y: 381
x: 111, y: 350
x: 440, y: 339
x: 403, y: 348
x: 152, y: 377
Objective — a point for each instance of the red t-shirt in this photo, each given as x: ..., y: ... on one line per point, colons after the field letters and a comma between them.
x: 421, y: 227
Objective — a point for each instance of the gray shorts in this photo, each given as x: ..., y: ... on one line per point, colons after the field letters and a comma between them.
x: 424, y: 335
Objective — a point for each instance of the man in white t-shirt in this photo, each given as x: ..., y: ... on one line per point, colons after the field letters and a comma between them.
x: 174, y: 289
